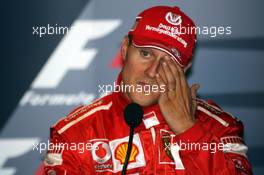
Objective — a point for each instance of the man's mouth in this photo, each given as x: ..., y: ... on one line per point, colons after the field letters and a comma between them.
x: 145, y: 86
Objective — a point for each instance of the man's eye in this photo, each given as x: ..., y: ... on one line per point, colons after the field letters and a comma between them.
x: 145, y: 53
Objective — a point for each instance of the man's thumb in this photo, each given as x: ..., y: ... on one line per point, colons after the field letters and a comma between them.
x: 194, y: 90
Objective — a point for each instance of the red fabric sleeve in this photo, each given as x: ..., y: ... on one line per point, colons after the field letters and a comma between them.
x: 206, y: 161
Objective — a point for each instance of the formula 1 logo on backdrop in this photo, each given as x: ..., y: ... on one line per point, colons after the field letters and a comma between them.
x: 70, y: 53
x: 11, y: 148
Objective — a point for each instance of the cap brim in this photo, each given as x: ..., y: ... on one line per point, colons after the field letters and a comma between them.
x: 147, y: 42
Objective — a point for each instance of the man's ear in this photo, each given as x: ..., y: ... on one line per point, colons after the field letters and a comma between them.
x: 124, y: 47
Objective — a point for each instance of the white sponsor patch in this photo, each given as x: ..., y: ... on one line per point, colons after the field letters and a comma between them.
x: 150, y: 119
x: 234, y: 144
x: 53, y: 159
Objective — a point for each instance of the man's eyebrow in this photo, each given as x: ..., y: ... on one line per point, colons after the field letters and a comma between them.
x: 149, y: 49
x: 163, y: 55
x: 152, y: 51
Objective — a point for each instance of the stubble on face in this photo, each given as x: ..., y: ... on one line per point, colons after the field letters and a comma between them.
x: 133, y: 73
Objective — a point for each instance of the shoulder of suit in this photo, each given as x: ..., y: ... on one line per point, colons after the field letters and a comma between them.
x: 83, y: 112
x: 213, y: 111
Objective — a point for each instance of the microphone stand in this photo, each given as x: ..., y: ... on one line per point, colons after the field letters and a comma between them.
x: 133, y: 114
x: 131, y: 135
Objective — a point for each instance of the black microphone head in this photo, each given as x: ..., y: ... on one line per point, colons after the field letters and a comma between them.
x: 133, y: 114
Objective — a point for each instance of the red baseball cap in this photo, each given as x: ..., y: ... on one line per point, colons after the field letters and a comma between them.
x: 167, y: 29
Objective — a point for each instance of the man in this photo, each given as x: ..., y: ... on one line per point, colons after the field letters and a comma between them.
x: 180, y: 134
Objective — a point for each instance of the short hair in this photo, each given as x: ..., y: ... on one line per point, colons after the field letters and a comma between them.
x: 130, y: 38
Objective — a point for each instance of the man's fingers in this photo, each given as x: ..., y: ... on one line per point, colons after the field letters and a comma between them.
x: 171, y: 83
x: 162, y: 74
x: 171, y: 65
x: 161, y: 83
x: 159, y: 80
x: 183, y: 86
x: 194, y: 107
x: 194, y: 90
x: 179, y: 85
x: 182, y: 77
x: 175, y: 72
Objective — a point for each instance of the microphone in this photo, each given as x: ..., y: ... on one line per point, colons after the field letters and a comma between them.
x: 133, y: 116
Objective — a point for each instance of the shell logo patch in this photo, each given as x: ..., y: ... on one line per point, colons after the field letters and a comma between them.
x: 118, y: 149
x: 121, y: 150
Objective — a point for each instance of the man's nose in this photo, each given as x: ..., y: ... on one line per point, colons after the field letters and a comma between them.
x: 152, y: 69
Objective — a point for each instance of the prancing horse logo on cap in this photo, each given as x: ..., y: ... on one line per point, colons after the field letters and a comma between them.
x: 173, y: 18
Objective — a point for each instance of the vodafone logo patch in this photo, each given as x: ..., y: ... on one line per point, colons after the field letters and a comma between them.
x: 102, y: 154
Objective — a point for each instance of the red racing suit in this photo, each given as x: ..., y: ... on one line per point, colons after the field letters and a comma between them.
x: 95, y: 142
